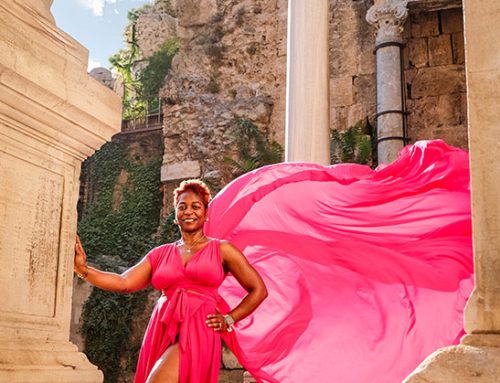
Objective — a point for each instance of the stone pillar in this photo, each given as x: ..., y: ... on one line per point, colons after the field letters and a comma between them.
x: 307, y: 112
x: 477, y: 358
x: 52, y: 116
x: 388, y: 16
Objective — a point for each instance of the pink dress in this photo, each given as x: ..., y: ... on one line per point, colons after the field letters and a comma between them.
x: 189, y: 295
x: 368, y: 271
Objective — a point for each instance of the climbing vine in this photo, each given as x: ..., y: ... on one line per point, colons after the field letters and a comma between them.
x: 142, y: 78
x: 117, y: 229
x: 253, y: 148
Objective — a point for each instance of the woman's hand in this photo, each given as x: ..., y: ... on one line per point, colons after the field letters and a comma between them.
x: 80, y: 260
x: 216, y: 322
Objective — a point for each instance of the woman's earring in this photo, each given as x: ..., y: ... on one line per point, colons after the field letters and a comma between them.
x: 206, y: 219
x: 176, y: 222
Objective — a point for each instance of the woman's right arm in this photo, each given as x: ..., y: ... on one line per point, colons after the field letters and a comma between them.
x: 133, y: 279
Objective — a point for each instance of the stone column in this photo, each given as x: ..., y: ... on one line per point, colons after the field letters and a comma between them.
x: 477, y: 358
x: 52, y: 116
x: 307, y: 112
x: 388, y: 16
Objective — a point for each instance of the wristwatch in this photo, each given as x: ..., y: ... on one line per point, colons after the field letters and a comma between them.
x: 229, y: 321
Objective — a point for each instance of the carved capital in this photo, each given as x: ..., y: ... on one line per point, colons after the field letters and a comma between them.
x: 388, y: 18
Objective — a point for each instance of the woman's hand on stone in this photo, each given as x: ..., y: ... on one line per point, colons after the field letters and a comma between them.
x: 80, y: 256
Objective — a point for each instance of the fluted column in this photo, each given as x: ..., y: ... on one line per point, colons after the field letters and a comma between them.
x: 388, y: 17
x: 307, y: 111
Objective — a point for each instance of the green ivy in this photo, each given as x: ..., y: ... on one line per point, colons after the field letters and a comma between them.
x: 352, y: 145
x: 116, y: 236
x: 254, y: 149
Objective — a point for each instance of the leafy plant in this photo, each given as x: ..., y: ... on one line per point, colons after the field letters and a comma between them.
x: 142, y: 78
x: 352, y: 145
x: 253, y: 148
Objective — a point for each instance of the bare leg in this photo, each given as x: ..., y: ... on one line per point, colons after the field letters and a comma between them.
x: 166, y: 369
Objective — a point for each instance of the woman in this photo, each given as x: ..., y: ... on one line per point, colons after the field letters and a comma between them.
x: 182, y: 341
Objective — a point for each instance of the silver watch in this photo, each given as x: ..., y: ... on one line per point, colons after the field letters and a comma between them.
x: 229, y: 321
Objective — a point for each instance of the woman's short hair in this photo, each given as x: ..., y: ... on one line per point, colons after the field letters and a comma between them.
x: 195, y: 185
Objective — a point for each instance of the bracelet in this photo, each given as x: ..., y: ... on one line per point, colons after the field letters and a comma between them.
x: 85, y: 275
x: 229, y: 322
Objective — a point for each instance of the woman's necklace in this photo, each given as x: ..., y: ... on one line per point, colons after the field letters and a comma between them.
x: 190, y: 246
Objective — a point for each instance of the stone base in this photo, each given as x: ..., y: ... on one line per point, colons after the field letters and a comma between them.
x: 45, y: 362
x: 476, y: 360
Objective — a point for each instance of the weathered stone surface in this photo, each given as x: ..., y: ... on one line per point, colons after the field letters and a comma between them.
x: 180, y: 170
x: 231, y: 376
x: 341, y: 90
x: 155, y: 26
x: 248, y: 378
x: 457, y: 42
x: 459, y: 364
x: 452, y: 21
x: 352, y: 64
x: 440, y: 50
x: 231, y: 66
x: 51, y: 119
x: 417, y: 53
x: 424, y: 24
x: 229, y: 361
x: 438, y: 81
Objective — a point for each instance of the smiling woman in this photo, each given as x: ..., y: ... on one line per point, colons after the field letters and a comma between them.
x: 183, y: 339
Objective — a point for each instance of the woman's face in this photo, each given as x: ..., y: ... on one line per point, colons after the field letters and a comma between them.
x: 190, y: 211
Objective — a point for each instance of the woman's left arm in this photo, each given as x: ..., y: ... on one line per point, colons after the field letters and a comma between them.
x: 236, y: 263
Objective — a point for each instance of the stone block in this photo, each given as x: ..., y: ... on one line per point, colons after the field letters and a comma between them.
x: 248, y: 378
x: 341, y: 91
x: 455, y: 135
x: 438, y: 80
x: 229, y: 361
x: 459, y: 364
x: 231, y: 376
x: 458, y: 48
x: 452, y: 20
x: 180, y: 171
x: 365, y: 91
x: 424, y: 24
x: 440, y: 52
x: 417, y: 53
x: 449, y: 109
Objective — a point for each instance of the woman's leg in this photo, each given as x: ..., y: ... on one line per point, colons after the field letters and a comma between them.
x: 166, y: 369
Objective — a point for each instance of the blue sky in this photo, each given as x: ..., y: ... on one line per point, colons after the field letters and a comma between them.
x: 96, y: 24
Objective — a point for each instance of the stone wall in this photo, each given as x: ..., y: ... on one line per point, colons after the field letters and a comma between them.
x: 231, y: 66
x: 435, y: 76
x: 352, y: 64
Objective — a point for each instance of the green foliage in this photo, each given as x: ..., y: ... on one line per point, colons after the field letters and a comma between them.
x: 352, y: 145
x: 169, y: 232
x: 117, y: 230
x: 254, y: 149
x: 141, y: 83
x: 158, y: 65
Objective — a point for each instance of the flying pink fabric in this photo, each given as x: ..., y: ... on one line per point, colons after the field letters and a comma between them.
x: 368, y: 270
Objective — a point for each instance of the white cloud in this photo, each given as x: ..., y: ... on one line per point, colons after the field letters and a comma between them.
x: 96, y: 6
x: 93, y: 64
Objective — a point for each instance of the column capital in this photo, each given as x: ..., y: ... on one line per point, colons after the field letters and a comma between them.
x: 388, y: 18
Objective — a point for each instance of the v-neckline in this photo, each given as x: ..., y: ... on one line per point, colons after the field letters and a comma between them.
x: 179, y: 255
